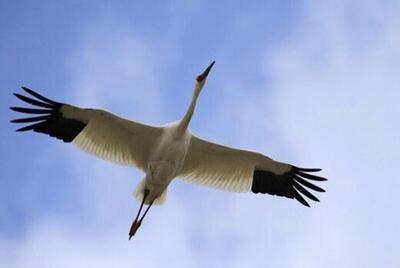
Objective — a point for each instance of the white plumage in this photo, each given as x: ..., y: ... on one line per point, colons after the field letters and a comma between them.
x: 113, y: 138
x: 224, y: 168
x: 164, y: 153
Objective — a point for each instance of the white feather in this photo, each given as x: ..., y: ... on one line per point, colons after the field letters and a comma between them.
x: 113, y: 138
x: 139, y: 192
x: 224, y: 168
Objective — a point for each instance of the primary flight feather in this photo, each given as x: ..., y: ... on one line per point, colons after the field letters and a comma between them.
x: 164, y: 153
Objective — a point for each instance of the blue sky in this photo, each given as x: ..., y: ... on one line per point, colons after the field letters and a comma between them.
x: 313, y: 84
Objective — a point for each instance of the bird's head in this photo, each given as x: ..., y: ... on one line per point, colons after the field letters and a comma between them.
x: 201, y: 79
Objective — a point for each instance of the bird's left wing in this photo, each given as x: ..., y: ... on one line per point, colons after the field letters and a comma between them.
x: 95, y: 131
x: 237, y: 170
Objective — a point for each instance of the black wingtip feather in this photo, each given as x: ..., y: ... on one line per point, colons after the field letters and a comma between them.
x: 291, y: 184
x: 299, y: 198
x: 307, y: 169
x: 30, y: 127
x: 308, y: 184
x: 303, y: 191
x: 31, y: 110
x: 30, y: 119
x: 310, y: 177
x: 33, y: 101
x: 40, y: 97
x: 50, y: 121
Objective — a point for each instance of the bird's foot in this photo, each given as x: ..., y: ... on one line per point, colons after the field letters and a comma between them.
x: 135, y: 225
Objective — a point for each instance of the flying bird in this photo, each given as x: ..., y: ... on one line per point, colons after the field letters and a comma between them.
x: 166, y: 152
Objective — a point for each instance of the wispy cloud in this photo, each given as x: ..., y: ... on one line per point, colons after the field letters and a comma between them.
x: 327, y: 97
x: 336, y: 91
x: 122, y: 72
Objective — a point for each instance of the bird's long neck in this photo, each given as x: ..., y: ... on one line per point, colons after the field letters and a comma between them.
x: 184, y: 123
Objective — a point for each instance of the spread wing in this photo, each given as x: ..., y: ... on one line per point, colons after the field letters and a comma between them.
x: 95, y: 131
x: 237, y: 170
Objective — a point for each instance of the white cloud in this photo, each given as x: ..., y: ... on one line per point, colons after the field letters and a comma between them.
x: 119, y: 71
x: 122, y: 72
x: 331, y: 94
x: 334, y: 103
x: 336, y: 92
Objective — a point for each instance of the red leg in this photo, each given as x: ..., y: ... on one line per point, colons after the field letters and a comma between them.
x: 136, y: 224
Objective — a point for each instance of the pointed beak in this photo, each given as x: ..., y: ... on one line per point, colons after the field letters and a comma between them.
x: 204, y: 75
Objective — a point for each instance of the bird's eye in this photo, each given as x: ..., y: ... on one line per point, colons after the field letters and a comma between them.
x: 199, y: 78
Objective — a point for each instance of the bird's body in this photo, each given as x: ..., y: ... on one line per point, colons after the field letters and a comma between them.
x: 166, y: 160
x: 166, y: 152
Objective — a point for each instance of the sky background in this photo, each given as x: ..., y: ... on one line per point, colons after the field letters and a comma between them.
x: 313, y: 83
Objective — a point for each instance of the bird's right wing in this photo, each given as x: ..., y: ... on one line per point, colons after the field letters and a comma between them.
x: 237, y: 170
x: 95, y: 131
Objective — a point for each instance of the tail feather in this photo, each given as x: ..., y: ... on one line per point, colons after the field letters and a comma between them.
x: 139, y: 192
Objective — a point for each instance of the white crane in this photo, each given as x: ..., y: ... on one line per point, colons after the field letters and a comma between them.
x: 164, y: 153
